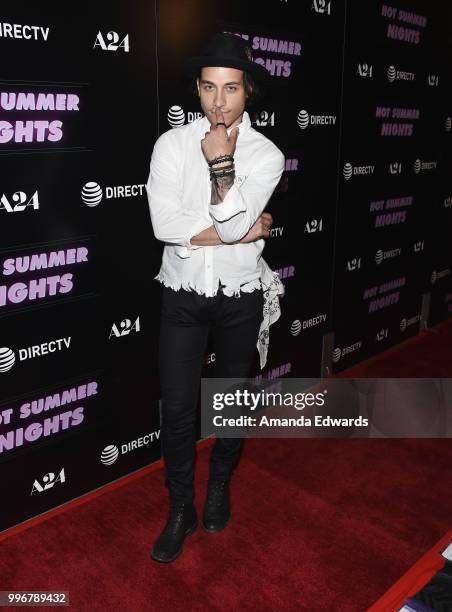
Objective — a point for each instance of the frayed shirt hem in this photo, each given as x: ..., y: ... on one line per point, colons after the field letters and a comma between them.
x: 229, y: 290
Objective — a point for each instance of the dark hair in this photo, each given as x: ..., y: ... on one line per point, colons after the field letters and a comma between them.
x: 254, y: 90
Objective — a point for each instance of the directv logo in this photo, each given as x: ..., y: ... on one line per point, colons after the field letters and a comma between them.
x: 338, y: 353
x: 402, y: 75
x: 381, y: 255
x: 348, y: 170
x: 404, y: 323
x: 304, y: 119
x: 111, y: 452
x: 8, y: 357
x: 423, y: 165
x: 92, y: 193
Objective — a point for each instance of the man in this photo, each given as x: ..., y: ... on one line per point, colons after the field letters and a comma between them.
x: 208, y: 185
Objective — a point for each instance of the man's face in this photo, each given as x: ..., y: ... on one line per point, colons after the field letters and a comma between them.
x: 222, y: 88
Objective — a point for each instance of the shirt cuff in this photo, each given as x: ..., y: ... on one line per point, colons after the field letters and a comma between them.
x: 195, y: 229
x: 230, y: 206
x: 185, y: 248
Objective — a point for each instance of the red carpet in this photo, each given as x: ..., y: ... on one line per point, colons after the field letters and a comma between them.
x: 317, y: 524
x: 415, y: 578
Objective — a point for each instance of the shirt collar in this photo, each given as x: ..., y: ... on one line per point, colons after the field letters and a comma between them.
x: 243, y: 126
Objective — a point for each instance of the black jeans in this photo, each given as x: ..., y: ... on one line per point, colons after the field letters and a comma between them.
x: 186, y: 318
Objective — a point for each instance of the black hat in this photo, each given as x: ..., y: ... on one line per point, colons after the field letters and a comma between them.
x: 229, y: 50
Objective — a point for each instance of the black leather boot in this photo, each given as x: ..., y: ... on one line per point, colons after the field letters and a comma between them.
x: 182, y: 521
x: 217, y: 508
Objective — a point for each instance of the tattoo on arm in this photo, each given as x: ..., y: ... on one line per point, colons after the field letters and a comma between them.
x: 220, y: 187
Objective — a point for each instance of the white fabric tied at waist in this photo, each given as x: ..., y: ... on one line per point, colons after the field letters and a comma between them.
x: 272, y: 288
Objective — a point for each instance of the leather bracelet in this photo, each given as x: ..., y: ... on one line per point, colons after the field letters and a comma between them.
x: 220, y: 159
x: 231, y: 165
x: 222, y: 173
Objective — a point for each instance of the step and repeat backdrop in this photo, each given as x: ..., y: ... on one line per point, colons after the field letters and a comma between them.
x: 360, y: 104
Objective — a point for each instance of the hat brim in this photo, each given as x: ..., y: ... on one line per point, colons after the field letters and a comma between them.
x: 192, y: 66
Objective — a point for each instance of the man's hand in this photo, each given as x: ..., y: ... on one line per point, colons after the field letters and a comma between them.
x: 261, y: 229
x: 216, y: 141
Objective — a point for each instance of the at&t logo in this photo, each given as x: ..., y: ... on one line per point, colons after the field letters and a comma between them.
x: 109, y: 454
x: 91, y: 193
x: 337, y: 354
x: 347, y: 171
x: 176, y: 116
x: 7, y: 358
x: 295, y: 328
x: 303, y: 119
x: 391, y: 74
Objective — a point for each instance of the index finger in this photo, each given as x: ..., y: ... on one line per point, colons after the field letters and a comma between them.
x: 220, y: 117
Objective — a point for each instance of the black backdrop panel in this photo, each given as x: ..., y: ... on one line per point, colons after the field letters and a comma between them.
x: 361, y: 226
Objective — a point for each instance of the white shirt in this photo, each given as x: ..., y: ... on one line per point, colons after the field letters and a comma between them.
x: 179, y: 193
